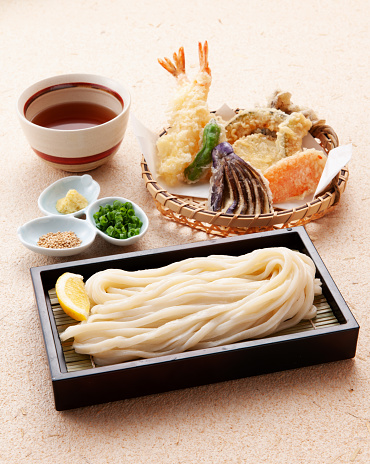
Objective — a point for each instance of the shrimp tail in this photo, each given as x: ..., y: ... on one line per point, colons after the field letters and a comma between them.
x: 177, y: 67
x: 203, y: 57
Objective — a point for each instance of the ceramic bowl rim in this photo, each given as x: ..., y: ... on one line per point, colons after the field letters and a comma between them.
x: 123, y: 92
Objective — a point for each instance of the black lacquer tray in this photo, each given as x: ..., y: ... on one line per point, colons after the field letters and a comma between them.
x: 76, y: 382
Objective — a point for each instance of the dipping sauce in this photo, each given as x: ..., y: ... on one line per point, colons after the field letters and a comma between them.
x: 73, y: 116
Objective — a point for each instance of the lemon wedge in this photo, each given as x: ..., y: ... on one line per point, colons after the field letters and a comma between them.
x: 72, y: 296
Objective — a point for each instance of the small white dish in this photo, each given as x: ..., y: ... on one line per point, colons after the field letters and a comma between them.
x: 94, y: 207
x: 30, y: 233
x: 85, y: 185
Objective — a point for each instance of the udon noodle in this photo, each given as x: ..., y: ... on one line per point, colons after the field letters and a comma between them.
x: 195, y: 303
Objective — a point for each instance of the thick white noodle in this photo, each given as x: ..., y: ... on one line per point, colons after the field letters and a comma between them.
x: 195, y: 303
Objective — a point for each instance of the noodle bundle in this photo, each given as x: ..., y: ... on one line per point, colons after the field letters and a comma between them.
x: 195, y: 303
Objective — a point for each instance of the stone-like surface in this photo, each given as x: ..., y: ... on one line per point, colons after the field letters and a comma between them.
x: 319, y: 52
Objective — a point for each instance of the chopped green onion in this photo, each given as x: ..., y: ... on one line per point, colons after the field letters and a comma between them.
x: 104, y: 221
x: 118, y: 220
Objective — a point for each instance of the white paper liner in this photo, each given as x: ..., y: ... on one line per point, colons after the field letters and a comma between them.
x: 337, y: 159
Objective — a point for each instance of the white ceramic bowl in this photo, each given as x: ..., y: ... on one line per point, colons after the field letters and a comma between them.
x: 75, y: 150
x: 30, y: 233
x: 85, y: 185
x: 94, y: 207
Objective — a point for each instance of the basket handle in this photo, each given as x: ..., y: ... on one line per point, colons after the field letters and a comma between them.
x: 328, y: 140
x: 326, y: 135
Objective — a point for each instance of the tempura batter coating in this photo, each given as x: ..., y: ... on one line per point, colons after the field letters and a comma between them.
x: 289, y: 130
x: 290, y: 134
x: 188, y: 115
x: 282, y: 101
x: 249, y: 121
x: 295, y: 176
x: 257, y: 149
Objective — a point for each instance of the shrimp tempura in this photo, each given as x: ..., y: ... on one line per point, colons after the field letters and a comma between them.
x: 189, y: 114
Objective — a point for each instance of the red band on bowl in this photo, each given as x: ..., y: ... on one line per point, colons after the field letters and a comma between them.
x: 75, y: 161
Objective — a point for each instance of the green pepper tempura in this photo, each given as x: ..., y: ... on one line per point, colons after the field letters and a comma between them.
x: 203, y: 159
x: 118, y: 220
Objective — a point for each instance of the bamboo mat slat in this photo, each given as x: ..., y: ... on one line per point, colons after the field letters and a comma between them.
x: 76, y: 362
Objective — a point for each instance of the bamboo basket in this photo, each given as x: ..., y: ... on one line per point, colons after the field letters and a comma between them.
x: 193, y: 212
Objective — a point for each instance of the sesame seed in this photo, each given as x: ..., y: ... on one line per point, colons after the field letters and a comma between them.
x: 59, y: 240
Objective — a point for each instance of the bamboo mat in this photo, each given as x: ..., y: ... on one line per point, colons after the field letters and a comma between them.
x: 76, y: 362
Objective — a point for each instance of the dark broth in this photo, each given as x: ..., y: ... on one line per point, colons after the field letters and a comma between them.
x: 73, y: 116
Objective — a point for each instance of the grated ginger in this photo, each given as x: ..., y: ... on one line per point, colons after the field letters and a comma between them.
x: 71, y: 203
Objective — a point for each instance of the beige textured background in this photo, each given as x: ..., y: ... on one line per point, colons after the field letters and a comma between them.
x: 317, y: 50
